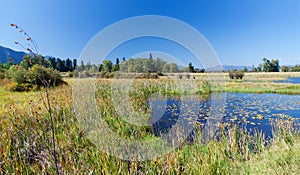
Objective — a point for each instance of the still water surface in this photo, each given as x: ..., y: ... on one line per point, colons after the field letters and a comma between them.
x: 293, y: 80
x: 249, y: 111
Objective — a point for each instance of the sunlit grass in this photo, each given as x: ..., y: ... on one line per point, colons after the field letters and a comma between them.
x: 264, y: 87
x: 25, y: 147
x: 252, y: 82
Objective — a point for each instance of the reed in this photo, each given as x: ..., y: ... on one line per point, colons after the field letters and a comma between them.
x: 25, y: 147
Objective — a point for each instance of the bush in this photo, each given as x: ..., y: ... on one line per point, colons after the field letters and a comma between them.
x: 231, y: 75
x: 236, y: 74
x: 160, y: 74
x: 180, y: 76
x: 17, y: 74
x: 188, y: 76
x: 70, y: 74
x: 37, y: 76
x: 41, y: 76
x: 239, y: 75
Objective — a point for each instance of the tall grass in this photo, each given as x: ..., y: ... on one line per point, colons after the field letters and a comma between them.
x: 25, y: 147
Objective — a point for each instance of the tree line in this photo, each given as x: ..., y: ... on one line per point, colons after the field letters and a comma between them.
x: 295, y: 68
x: 267, y: 66
x: 132, y: 65
x: 58, y: 64
x: 140, y: 65
x: 137, y: 65
x: 273, y: 66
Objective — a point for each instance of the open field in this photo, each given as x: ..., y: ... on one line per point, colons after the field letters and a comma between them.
x: 26, y: 144
x: 264, y: 83
x: 263, y: 87
x: 255, y: 82
x: 254, y: 76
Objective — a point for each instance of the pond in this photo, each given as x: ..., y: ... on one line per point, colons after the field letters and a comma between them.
x: 292, y: 80
x: 253, y: 112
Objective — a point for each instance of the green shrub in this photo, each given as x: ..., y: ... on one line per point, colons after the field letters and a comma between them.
x: 180, y: 76
x: 231, y: 75
x: 239, y: 74
x: 236, y: 74
x: 36, y: 76
x: 17, y: 74
x: 41, y: 76
x: 70, y: 74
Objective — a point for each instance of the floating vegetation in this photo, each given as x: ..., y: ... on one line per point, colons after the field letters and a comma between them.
x: 246, y: 110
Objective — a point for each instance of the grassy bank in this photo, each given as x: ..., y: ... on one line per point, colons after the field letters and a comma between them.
x: 253, y: 76
x: 261, y: 87
x: 264, y: 83
x: 27, y: 143
x: 255, y: 83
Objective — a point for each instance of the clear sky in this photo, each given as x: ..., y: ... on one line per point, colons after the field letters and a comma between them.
x: 242, y: 32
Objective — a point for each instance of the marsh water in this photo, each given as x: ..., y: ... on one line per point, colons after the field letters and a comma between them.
x: 293, y: 80
x: 254, y: 112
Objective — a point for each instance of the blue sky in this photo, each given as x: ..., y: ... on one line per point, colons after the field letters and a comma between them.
x: 242, y: 32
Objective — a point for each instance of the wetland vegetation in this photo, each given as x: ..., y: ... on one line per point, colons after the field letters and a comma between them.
x: 256, y: 135
x: 214, y: 123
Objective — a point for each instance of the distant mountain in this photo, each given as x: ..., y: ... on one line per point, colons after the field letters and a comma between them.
x: 6, y: 54
x: 227, y: 68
